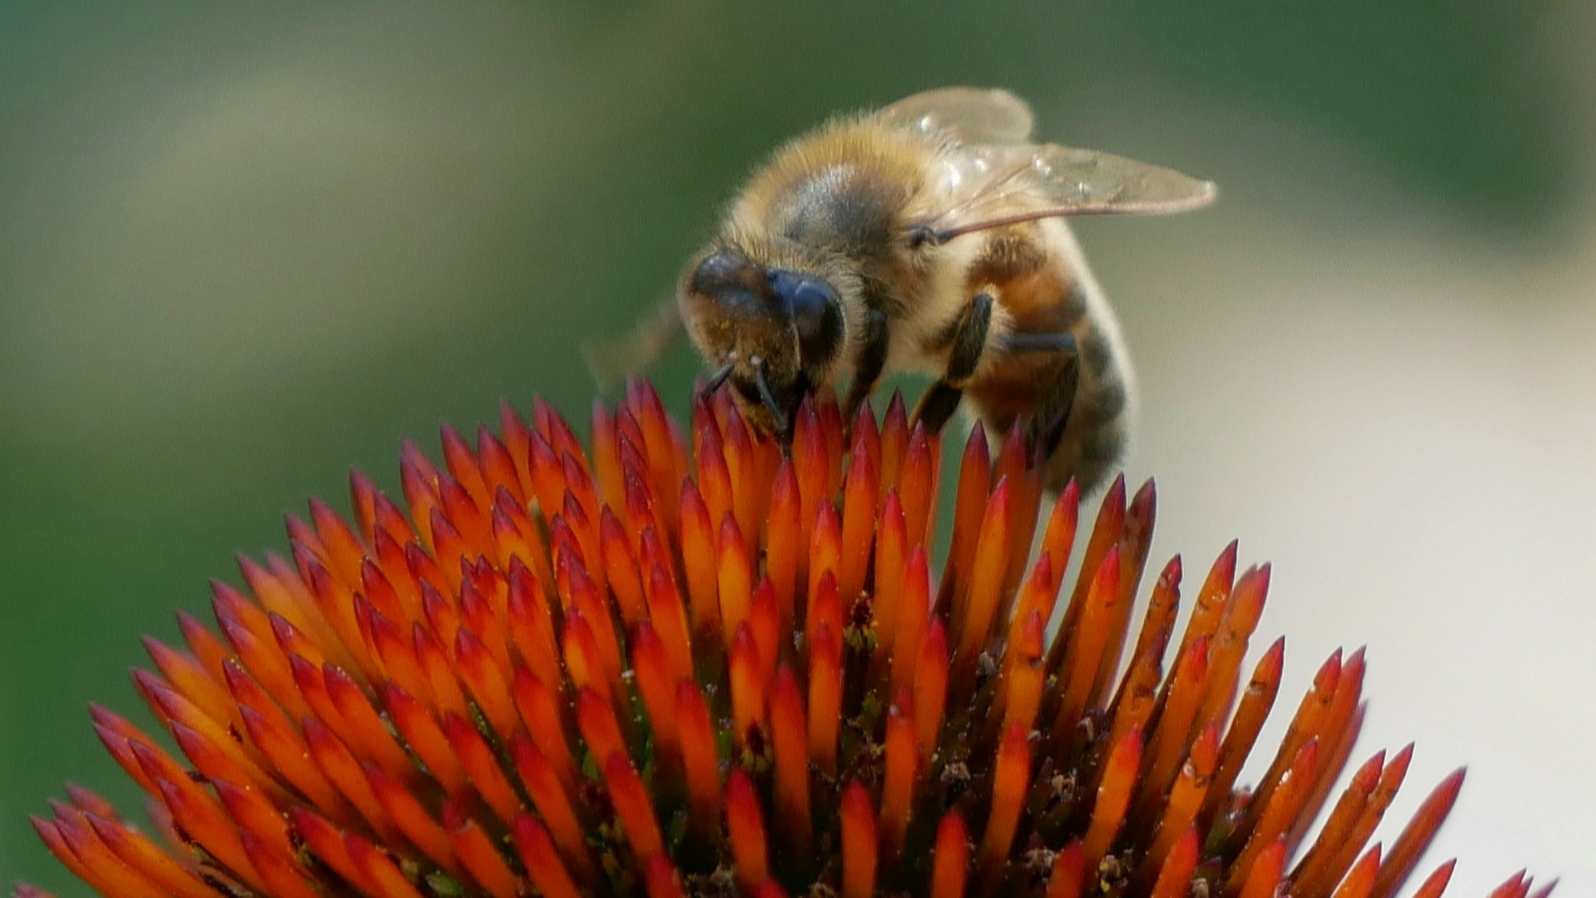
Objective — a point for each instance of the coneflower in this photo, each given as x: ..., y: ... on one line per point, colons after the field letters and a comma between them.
x: 708, y: 667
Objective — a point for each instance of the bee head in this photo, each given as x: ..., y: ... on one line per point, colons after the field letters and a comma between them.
x: 772, y: 332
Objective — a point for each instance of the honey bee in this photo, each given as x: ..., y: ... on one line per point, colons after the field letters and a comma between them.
x: 926, y: 236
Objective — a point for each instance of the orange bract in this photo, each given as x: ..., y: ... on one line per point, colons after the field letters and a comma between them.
x: 683, y: 663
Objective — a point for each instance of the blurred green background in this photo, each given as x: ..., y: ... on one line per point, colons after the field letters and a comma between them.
x: 244, y: 247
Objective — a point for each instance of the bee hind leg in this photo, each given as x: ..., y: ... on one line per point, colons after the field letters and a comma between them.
x: 1052, y: 415
x: 969, y: 342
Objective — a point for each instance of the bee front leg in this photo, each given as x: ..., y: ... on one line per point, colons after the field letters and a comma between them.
x: 969, y: 343
x: 872, y: 360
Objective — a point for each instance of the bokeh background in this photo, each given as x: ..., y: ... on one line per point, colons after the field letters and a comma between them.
x: 244, y: 247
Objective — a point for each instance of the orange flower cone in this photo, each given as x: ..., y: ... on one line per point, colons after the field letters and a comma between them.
x: 695, y: 664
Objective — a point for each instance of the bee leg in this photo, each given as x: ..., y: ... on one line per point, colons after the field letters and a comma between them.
x: 872, y: 359
x: 1063, y: 341
x: 1052, y: 415
x: 969, y: 342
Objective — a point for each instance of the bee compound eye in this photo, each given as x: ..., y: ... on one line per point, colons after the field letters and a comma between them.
x: 816, y: 314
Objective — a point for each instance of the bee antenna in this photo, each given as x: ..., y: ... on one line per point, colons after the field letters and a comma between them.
x: 769, y: 399
x: 716, y: 379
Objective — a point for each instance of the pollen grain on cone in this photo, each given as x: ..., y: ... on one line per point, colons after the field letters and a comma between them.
x: 685, y: 661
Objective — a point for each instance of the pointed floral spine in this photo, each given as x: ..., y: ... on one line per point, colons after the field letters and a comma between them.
x: 343, y: 771
x: 975, y: 476
x: 327, y: 843
x: 1036, y: 597
x: 1105, y: 535
x: 931, y: 690
x: 174, y: 710
x: 1174, y: 873
x: 858, y: 520
x: 894, y: 441
x: 1113, y: 798
x: 913, y: 618
x: 1435, y: 884
x: 498, y: 467
x: 633, y: 808
x: 825, y: 555
x: 1263, y: 879
x: 1134, y: 544
x: 363, y: 720
x: 669, y: 619
x: 986, y: 574
x: 811, y: 466
x: 1024, y: 694
x: 789, y: 745
x: 540, y: 860
x: 553, y: 805
x: 746, y: 828
x: 917, y: 487
x: 1416, y: 836
x: 412, y: 819
x: 1278, y: 812
x: 1385, y: 791
x: 542, y: 711
x: 782, y: 535
x: 186, y: 675
x: 390, y: 882
x: 1256, y: 702
x: 897, y: 784
x: 1303, y: 728
x: 859, y: 847
x: 951, y: 857
x: 1342, y: 818
x: 1229, y: 647
x: 891, y: 556
x: 1169, y: 738
x: 620, y: 568
x: 1026, y: 486
x: 662, y: 879
x: 341, y: 548
x: 1360, y: 881
x: 140, y: 853
x: 1067, y: 879
x: 825, y: 697
x: 284, y: 748
x: 206, y: 823
x: 735, y: 580
x: 656, y: 685
x: 95, y: 858
x: 750, y: 485
x: 479, y: 856
x: 714, y: 478
x: 207, y: 647
x: 1185, y: 799
x: 698, y: 758
x: 1338, y: 733
x: 50, y: 834
x: 747, y: 689
x: 482, y: 767
x: 1010, y: 779
x: 1086, y: 646
x: 764, y: 624
x: 699, y: 550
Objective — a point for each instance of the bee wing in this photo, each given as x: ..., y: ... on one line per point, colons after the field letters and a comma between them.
x: 968, y: 114
x: 650, y: 340
x: 990, y: 186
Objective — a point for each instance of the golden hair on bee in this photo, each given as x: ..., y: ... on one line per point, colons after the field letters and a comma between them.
x: 925, y: 236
